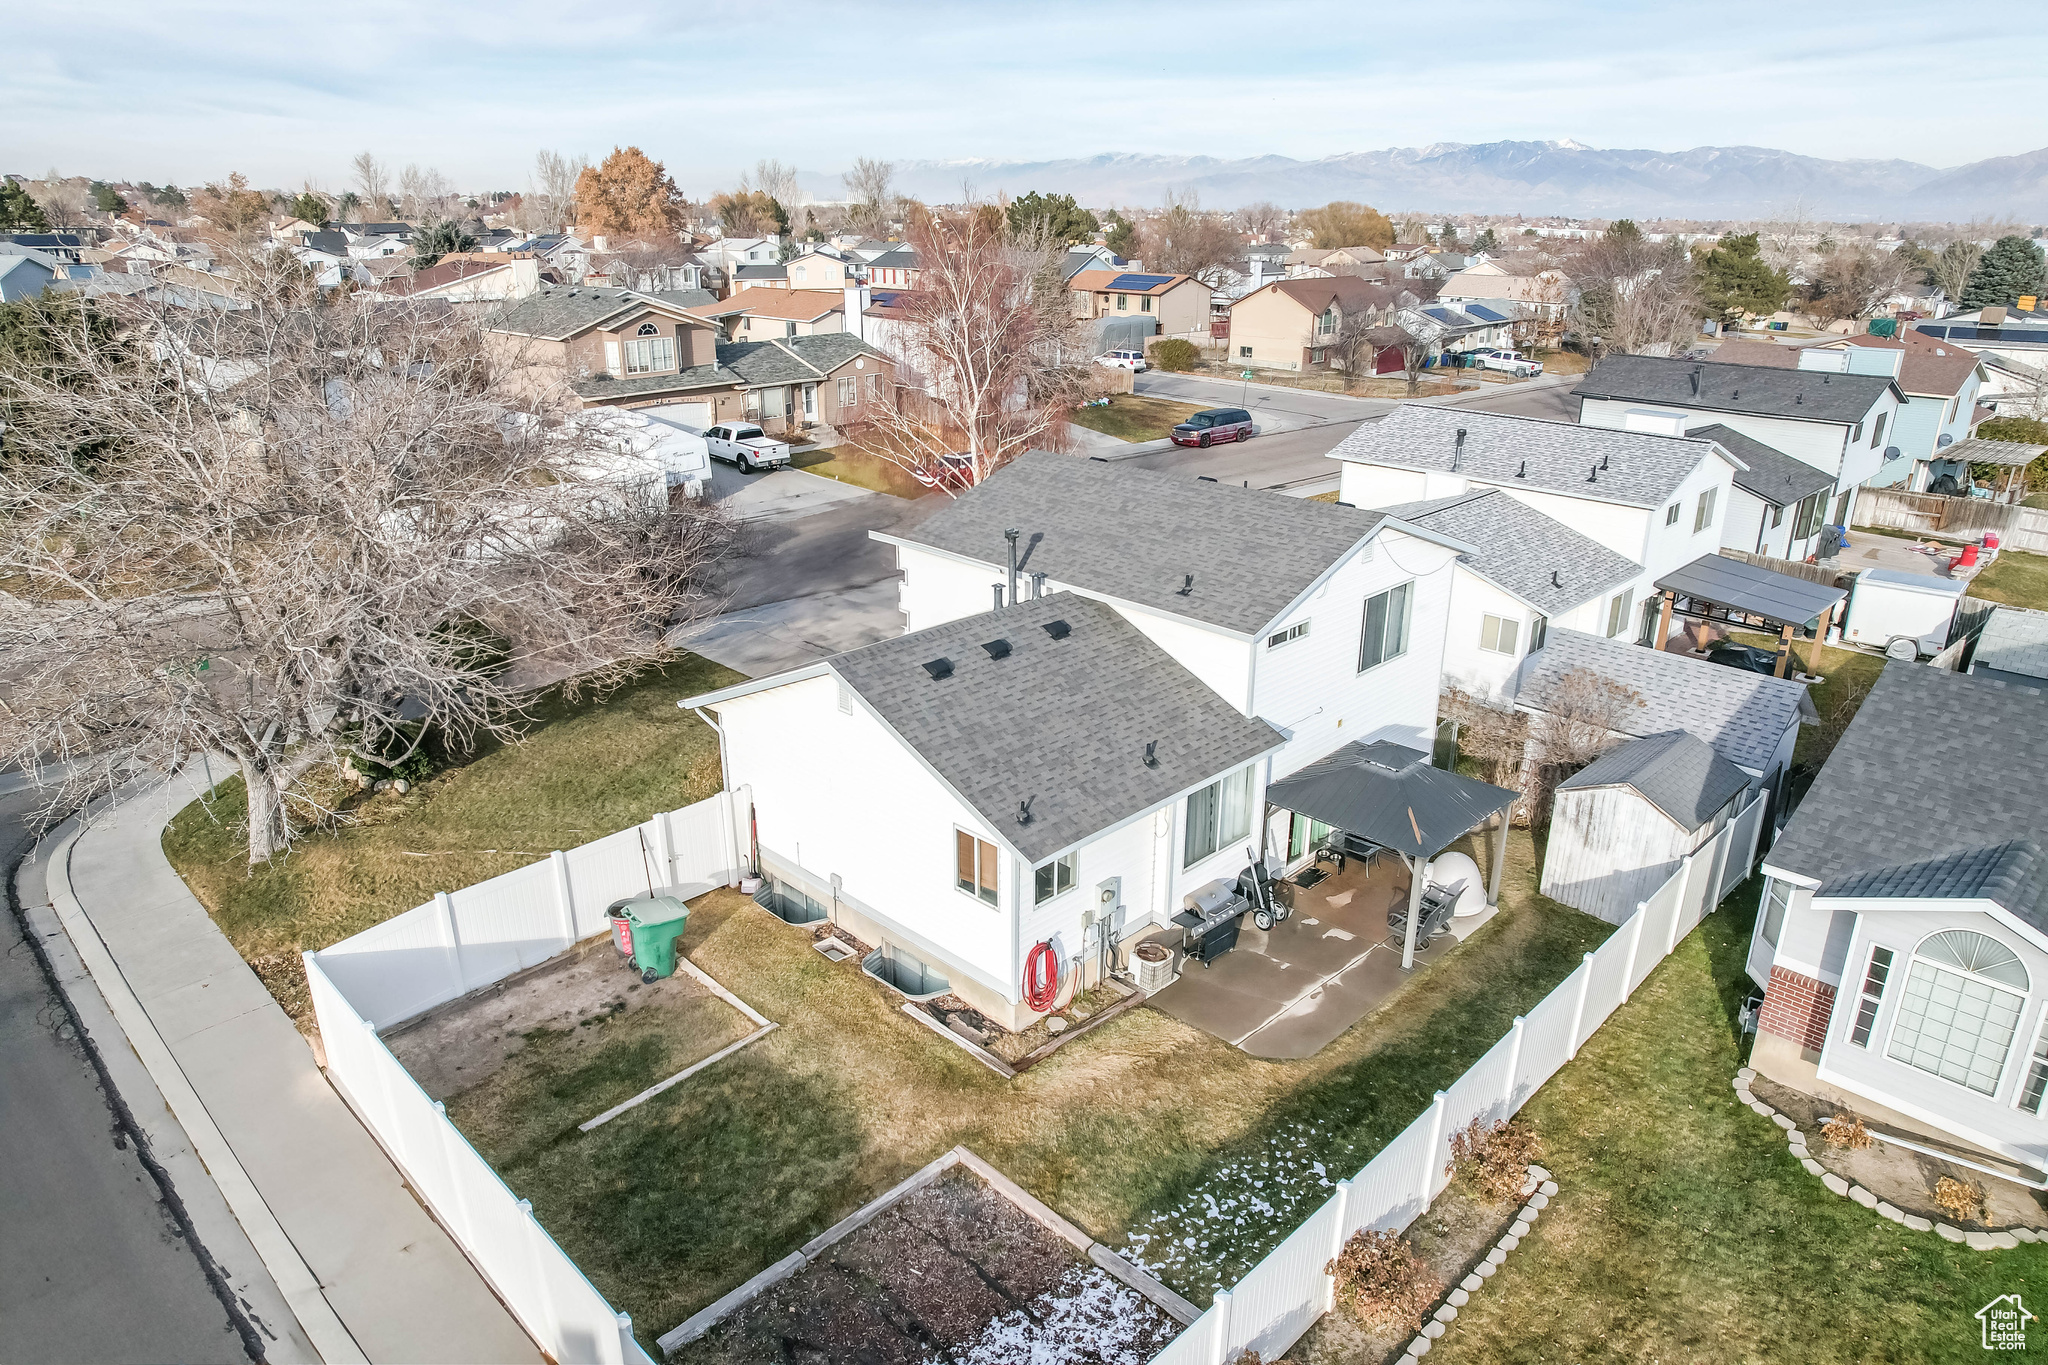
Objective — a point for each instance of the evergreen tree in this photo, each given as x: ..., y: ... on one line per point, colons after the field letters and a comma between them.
x: 1623, y: 230
x: 1735, y: 280
x: 1123, y: 235
x: 436, y: 240
x: 309, y: 206
x: 1063, y: 218
x: 1486, y: 241
x: 19, y: 212
x: 2010, y: 270
x: 105, y: 200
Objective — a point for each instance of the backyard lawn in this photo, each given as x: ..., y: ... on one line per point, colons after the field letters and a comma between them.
x: 2015, y: 578
x: 587, y: 770
x: 1134, y: 417
x: 1684, y: 1230
x: 1140, y: 1126
x: 849, y: 463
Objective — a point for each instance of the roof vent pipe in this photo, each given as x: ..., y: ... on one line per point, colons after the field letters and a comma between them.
x: 999, y: 595
x: 1037, y: 587
x: 1522, y: 470
x: 1011, y: 536
x: 1697, y: 371
x: 1458, y: 449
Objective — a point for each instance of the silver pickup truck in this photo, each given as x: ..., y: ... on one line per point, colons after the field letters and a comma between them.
x: 747, y: 446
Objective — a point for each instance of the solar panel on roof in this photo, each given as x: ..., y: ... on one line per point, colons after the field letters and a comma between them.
x: 1139, y: 282
x: 1484, y: 314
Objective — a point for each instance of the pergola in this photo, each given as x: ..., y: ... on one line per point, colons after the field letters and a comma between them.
x: 2014, y: 455
x: 1389, y: 795
x: 1717, y: 588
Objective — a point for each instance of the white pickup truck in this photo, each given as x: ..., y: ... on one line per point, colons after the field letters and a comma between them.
x: 747, y: 446
x: 1514, y: 362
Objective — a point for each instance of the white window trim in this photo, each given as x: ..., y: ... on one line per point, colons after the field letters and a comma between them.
x: 2019, y: 1089
x: 997, y: 881
x: 1912, y: 959
x: 1288, y: 635
x: 1407, y: 625
x: 1071, y: 862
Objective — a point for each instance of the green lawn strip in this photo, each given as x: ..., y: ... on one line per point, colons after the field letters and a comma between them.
x: 1134, y: 417
x: 860, y: 468
x: 590, y: 768
x: 2016, y: 578
x: 1686, y: 1231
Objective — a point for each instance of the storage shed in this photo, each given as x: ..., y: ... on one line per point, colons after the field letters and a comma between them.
x: 1620, y: 825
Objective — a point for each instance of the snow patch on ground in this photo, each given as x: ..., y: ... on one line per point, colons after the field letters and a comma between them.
x: 1088, y: 1318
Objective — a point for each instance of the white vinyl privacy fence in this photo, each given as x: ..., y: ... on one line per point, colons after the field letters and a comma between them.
x: 1283, y: 1295
x: 467, y: 939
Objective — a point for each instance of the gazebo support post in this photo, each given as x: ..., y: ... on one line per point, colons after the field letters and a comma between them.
x: 1664, y: 620
x: 1785, y: 652
x: 1415, y: 866
x: 1500, y: 857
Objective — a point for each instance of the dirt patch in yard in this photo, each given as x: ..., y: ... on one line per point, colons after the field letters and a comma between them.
x: 952, y: 1272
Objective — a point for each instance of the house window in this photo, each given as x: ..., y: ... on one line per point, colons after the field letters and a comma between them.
x: 1219, y: 814
x: 1123, y: 303
x: 1244, y: 353
x: 1776, y: 900
x: 1327, y: 323
x: 1877, y: 431
x: 2037, y: 1070
x: 974, y: 866
x: 1873, y: 995
x: 611, y: 357
x: 849, y: 393
x: 1704, y: 516
x: 1054, y: 879
x: 1671, y: 515
x: 796, y: 272
x: 753, y: 404
x: 648, y: 329
x: 1386, y: 627
x: 1617, y: 612
x: 1955, y: 1020
x: 874, y: 388
x: 1304, y: 834
x: 1777, y: 517
x: 646, y: 357
x: 1293, y: 632
x: 1856, y: 433
x: 1315, y: 356
x: 1539, y: 629
x: 1497, y: 633
x: 1145, y: 303
x: 1806, y: 521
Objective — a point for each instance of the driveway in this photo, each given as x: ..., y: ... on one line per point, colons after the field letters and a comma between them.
x: 779, y: 494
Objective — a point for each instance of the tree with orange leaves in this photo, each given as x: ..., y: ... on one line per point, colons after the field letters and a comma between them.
x: 627, y: 193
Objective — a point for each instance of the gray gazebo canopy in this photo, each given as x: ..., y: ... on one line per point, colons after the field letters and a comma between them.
x: 1389, y: 793
x: 1752, y: 590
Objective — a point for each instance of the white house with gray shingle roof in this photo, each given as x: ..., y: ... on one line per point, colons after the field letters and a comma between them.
x: 1658, y: 500
x: 1903, y: 935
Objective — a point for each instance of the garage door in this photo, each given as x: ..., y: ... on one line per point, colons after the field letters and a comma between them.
x: 695, y: 416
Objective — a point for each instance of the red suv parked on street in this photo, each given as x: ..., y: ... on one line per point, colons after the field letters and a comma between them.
x: 1213, y: 426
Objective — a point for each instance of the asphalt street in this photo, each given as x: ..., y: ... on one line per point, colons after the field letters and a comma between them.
x: 94, y: 1264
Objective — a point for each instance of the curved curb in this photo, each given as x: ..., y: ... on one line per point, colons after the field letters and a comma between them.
x: 1539, y: 1190
x: 2004, y: 1240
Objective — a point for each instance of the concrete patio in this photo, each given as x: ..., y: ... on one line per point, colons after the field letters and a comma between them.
x: 1287, y: 992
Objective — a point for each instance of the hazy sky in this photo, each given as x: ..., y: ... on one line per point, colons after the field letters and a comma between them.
x: 187, y: 92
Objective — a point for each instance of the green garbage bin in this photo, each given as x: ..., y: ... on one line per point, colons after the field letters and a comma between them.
x: 657, y: 926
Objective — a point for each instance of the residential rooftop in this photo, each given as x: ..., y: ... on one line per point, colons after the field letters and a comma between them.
x: 1676, y: 772
x: 1604, y: 464
x: 1772, y: 475
x: 1754, y: 390
x: 2013, y: 645
x: 557, y: 312
x: 1536, y: 557
x: 786, y: 360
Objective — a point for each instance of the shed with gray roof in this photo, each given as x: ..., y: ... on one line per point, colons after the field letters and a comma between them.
x: 1620, y: 826
x: 1634, y: 468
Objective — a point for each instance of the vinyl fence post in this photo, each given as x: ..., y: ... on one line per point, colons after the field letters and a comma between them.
x: 1635, y: 942
x: 565, y: 894
x: 627, y: 1345
x: 1514, y: 1063
x: 452, y: 937
x: 1579, y: 1009
x: 1219, y: 1338
x: 664, y: 848
x: 1337, y: 1240
x: 536, y: 1261
x: 1678, y: 909
x: 1436, y: 1142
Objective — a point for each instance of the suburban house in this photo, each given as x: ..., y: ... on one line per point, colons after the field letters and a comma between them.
x: 1940, y: 380
x: 1903, y: 939
x: 895, y: 268
x: 616, y: 347
x: 746, y: 277
x: 24, y: 275
x: 480, y: 277
x: 767, y: 314
x: 2015, y: 332
x: 1836, y: 422
x: 1528, y: 573
x: 1658, y: 501
x: 1620, y: 825
x: 1777, y: 504
x: 1361, y: 262
x: 1102, y: 719
x: 820, y: 269
x: 1289, y: 324
x: 1750, y: 719
x: 1544, y: 295
x: 1176, y: 305
x: 1455, y: 331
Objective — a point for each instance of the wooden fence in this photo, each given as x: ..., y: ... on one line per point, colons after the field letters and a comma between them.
x: 2018, y: 528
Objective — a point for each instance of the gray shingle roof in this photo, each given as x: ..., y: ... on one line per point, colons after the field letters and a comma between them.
x: 2014, y: 640
x: 1742, y: 715
x: 1772, y: 475
x: 1935, y: 763
x: 792, y: 360
x: 639, y: 385
x: 1136, y: 534
x: 1760, y: 390
x: 558, y: 311
x: 1520, y: 549
x: 761, y: 272
x: 1676, y: 772
x: 1641, y: 468
x: 1062, y: 724
x: 2013, y: 875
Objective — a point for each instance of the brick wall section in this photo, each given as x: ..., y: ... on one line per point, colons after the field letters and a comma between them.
x: 1797, y: 1007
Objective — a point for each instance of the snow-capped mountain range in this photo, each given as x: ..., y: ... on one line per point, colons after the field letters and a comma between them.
x: 1519, y: 177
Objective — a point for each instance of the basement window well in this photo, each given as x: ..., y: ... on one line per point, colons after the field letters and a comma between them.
x: 904, y: 974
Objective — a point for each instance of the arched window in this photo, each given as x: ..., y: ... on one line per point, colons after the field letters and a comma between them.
x: 1960, y: 1008
x: 648, y: 329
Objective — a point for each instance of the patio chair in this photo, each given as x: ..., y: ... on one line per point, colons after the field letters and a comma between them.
x: 1437, y: 905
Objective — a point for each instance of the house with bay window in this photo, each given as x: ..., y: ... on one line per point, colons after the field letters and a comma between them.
x: 1903, y: 940
x: 1103, y: 669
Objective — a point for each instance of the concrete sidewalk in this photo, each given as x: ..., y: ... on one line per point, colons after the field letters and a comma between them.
x: 778, y: 636
x: 364, y: 1268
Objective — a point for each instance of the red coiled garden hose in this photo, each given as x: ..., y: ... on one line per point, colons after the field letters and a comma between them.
x: 1041, y: 978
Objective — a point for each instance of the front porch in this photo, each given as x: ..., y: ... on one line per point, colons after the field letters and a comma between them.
x: 1289, y: 991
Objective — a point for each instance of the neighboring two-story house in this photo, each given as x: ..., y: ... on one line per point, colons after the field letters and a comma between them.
x: 1658, y: 501
x: 772, y: 314
x: 1290, y: 324
x: 1903, y: 937
x: 1176, y: 304
x: 1086, y: 741
x: 895, y: 268
x: 1838, y: 423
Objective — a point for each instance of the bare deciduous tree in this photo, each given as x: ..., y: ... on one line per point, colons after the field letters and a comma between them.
x: 1183, y: 240
x: 421, y: 192
x: 1574, y: 720
x: 868, y: 187
x: 373, y: 179
x: 1262, y: 219
x: 777, y: 180
x: 1637, y: 296
x: 309, y: 526
x: 1854, y: 282
x: 989, y: 357
x: 1497, y: 736
x: 1953, y: 265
